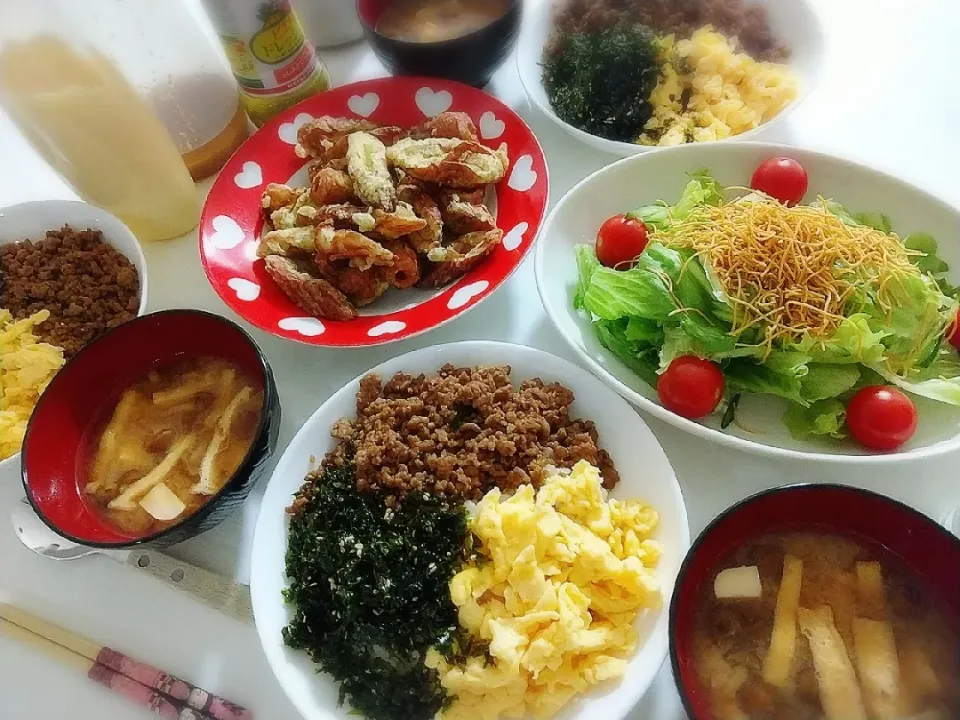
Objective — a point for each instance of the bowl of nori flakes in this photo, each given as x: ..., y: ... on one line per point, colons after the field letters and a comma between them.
x: 595, y: 88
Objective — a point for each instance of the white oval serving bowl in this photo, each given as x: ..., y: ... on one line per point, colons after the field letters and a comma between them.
x: 793, y: 23
x: 662, y: 175
x: 31, y: 220
x: 645, y: 474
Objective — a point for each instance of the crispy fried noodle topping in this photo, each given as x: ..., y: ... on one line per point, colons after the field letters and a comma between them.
x: 788, y: 271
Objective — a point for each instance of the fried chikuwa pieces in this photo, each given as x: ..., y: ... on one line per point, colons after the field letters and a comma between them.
x: 463, y: 217
x: 298, y: 242
x: 456, y: 125
x: 450, y: 262
x: 316, y: 137
x: 384, y: 207
x: 329, y: 186
x: 361, y: 252
x: 393, y: 225
x: 367, y: 165
x: 426, y: 208
x: 313, y: 295
x: 448, y: 161
x: 406, y: 264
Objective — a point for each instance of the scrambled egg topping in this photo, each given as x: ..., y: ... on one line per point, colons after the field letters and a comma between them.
x: 26, y: 367
x: 708, y: 91
x: 559, y: 578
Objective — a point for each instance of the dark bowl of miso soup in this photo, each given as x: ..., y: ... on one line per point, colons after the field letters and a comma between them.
x: 808, y: 602
x: 153, y: 433
x: 462, y: 40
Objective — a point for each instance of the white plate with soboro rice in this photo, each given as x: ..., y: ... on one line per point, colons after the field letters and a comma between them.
x: 645, y: 474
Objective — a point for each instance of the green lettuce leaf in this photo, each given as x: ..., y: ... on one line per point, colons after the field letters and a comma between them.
x: 662, y: 281
x: 640, y: 357
x: 929, y: 262
x: 940, y: 380
x: 614, y: 294
x: 587, y: 265
x: 702, y: 189
x: 641, y: 330
x: 914, y: 321
x: 822, y: 418
x: 823, y: 382
x: 835, y: 208
x: 854, y: 341
x: 783, y: 378
x: 878, y: 221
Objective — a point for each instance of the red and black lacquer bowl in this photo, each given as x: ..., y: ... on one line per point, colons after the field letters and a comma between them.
x: 88, y: 386
x: 926, y: 547
x: 470, y: 59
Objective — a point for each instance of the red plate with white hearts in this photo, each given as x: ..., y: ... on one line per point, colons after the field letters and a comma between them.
x: 231, y: 222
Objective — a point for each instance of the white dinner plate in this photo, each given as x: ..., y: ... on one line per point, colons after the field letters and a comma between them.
x: 662, y: 175
x: 793, y: 22
x: 645, y: 474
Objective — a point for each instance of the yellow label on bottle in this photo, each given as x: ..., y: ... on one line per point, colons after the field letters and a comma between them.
x: 279, y: 40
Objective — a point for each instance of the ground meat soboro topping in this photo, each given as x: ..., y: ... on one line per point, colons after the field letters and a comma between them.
x: 87, y: 285
x: 462, y: 432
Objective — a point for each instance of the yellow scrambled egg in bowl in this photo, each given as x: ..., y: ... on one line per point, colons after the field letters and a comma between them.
x: 557, y: 580
x: 709, y: 91
x: 26, y: 367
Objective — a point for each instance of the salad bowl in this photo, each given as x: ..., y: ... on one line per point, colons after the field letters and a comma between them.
x: 662, y: 177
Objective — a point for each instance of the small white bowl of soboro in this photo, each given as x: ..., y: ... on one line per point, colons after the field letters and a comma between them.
x: 68, y: 272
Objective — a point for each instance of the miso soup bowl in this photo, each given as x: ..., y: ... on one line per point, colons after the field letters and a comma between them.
x: 53, y: 465
x: 470, y: 59
x: 926, y: 547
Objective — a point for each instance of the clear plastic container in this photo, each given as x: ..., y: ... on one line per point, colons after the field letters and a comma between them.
x: 117, y: 95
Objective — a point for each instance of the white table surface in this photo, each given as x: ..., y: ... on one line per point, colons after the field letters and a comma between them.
x: 890, y: 99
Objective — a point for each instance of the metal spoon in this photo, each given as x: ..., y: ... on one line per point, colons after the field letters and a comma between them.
x: 212, y: 589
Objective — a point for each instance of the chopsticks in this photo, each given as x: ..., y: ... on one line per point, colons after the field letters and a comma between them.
x: 164, y: 694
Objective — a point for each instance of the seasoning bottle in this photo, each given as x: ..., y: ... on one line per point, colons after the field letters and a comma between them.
x: 273, y: 62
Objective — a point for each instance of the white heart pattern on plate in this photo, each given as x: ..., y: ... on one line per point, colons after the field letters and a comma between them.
x: 388, y: 327
x: 465, y: 294
x: 306, y: 326
x: 245, y: 290
x: 226, y: 233
x: 249, y: 177
x: 364, y: 105
x: 523, y: 176
x: 288, y: 131
x: 433, y: 103
x: 490, y: 127
x: 512, y: 240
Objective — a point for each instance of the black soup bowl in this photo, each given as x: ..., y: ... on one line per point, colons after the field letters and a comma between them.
x: 470, y: 59
x: 89, y: 385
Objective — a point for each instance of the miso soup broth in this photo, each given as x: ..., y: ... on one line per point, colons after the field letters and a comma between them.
x: 169, y: 443
x: 835, y: 628
x: 427, y: 21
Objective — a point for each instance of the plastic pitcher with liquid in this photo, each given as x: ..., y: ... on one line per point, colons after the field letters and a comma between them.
x: 116, y: 95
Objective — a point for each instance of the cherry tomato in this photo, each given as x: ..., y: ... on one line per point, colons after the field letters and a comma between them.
x: 691, y: 387
x: 781, y: 178
x: 620, y: 241
x: 881, y: 418
x: 954, y: 336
